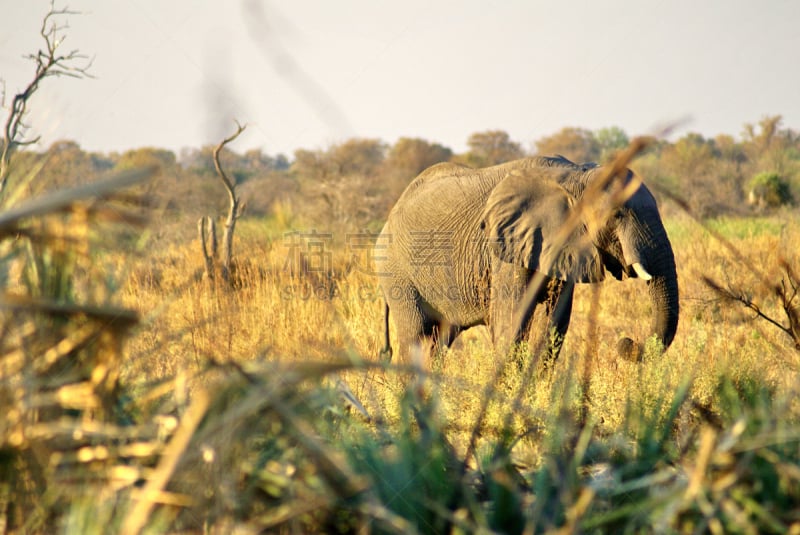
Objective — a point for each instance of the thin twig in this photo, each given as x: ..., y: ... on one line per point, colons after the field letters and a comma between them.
x: 782, y: 291
x: 733, y: 295
x: 230, y: 186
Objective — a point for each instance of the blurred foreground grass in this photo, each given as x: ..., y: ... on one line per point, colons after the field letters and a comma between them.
x: 139, y: 397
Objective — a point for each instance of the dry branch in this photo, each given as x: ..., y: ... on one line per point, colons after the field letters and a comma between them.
x: 787, y: 293
x: 234, y: 212
x: 49, y: 62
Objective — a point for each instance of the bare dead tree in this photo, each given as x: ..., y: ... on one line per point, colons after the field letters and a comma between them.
x: 50, y: 62
x: 234, y: 209
x: 206, y: 228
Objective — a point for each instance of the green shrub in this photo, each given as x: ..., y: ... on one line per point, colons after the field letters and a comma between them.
x: 769, y: 189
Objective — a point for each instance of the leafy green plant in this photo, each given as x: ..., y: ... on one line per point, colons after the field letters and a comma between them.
x: 769, y: 189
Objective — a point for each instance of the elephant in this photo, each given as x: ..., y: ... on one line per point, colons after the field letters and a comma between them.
x: 461, y: 246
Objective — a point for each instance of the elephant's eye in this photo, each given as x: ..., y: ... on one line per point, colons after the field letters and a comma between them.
x: 622, y: 213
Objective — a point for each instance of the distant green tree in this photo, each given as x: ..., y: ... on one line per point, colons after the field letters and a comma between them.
x: 147, y: 156
x: 577, y: 144
x: 609, y: 141
x: 199, y: 161
x: 728, y: 149
x: 255, y: 161
x: 690, y: 155
x: 341, y: 184
x: 65, y: 164
x: 490, y: 148
x: 769, y: 189
x: 695, y: 170
x: 281, y: 162
x: 357, y: 156
x: 407, y: 158
x: 768, y: 146
x: 310, y: 165
x: 759, y: 138
x: 353, y: 157
x: 410, y: 156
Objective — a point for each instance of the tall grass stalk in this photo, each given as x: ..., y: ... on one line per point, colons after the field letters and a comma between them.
x: 166, y: 404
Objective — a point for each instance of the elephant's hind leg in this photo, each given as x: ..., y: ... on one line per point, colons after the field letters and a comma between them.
x: 416, y: 335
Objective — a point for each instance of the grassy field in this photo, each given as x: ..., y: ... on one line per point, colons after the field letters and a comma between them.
x: 274, y: 315
x: 226, y: 408
x: 140, y: 393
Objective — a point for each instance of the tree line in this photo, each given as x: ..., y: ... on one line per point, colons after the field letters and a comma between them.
x: 354, y: 183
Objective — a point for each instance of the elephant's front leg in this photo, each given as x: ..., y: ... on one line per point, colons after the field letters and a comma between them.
x: 549, y: 314
x: 507, y: 286
x: 558, y: 308
x: 542, y: 323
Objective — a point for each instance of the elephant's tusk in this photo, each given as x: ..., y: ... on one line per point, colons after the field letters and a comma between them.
x: 641, y: 272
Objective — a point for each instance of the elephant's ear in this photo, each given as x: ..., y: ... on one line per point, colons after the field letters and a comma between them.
x: 522, y: 216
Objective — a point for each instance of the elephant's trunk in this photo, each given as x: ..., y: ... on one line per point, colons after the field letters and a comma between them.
x: 647, y: 253
x: 664, y: 295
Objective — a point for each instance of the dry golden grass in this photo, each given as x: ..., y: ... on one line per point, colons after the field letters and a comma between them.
x: 219, y: 418
x: 273, y: 315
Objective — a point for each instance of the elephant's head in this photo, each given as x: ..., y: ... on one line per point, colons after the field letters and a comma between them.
x: 524, y: 221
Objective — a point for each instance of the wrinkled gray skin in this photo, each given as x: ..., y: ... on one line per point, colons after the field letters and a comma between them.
x: 460, y: 246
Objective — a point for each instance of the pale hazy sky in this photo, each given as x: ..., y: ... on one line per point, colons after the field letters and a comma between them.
x: 309, y: 73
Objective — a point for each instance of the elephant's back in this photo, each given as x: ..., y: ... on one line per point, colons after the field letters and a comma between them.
x: 450, y: 197
x: 466, y: 184
x: 434, y: 240
x: 442, y: 191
